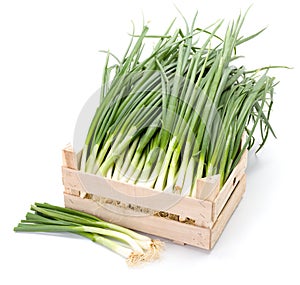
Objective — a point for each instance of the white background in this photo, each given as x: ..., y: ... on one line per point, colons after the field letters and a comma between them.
x: 50, y: 65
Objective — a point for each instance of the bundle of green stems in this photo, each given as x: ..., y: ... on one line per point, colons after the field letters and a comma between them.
x: 133, y: 246
x: 166, y: 119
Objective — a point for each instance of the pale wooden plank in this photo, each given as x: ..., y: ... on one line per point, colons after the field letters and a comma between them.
x: 198, y: 210
x: 208, y: 188
x: 69, y: 158
x: 72, y: 191
x: 211, y: 205
x: 203, y: 211
x: 173, y: 230
x: 229, y: 186
x: 71, y: 180
x: 228, y: 211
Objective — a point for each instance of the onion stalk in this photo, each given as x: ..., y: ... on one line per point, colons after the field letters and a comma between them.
x: 133, y: 246
x: 179, y: 113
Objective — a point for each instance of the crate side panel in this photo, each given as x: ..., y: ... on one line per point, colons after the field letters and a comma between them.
x: 208, y: 187
x: 69, y: 158
x: 228, y: 210
x: 71, y: 180
x: 198, y: 210
x: 229, y: 186
x: 162, y: 227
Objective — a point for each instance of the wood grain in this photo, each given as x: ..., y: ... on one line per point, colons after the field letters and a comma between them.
x: 228, y: 210
x: 199, y: 221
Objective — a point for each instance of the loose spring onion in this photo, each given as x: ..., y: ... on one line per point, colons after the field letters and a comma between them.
x: 178, y: 114
x: 133, y: 246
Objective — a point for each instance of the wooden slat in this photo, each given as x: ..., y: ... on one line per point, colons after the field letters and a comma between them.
x: 208, y: 188
x: 180, y: 233
x: 69, y: 157
x: 198, y: 210
x: 229, y: 185
x: 173, y: 230
x: 203, y: 211
x: 228, y: 210
x: 71, y: 179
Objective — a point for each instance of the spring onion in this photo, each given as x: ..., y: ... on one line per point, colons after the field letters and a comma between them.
x: 133, y: 246
x: 178, y: 114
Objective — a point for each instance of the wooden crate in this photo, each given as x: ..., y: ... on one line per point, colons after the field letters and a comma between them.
x: 184, y: 220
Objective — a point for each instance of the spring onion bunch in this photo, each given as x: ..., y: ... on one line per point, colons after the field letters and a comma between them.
x: 133, y: 246
x: 178, y: 114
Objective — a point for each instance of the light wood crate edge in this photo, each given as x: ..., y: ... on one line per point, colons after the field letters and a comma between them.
x: 175, y: 231
x: 203, y: 211
x: 211, y: 214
